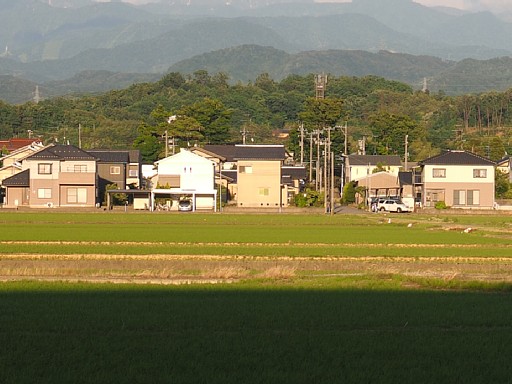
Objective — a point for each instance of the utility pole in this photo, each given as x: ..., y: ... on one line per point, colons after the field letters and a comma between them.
x: 166, y: 138
x: 332, y: 184
x: 310, y: 156
x: 317, y: 175
x: 301, y: 143
x: 326, y: 181
x: 79, y: 135
x: 406, y: 151
x: 244, y: 134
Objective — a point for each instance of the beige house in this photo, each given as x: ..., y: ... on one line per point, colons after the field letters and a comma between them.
x: 458, y: 178
x: 10, y: 164
x: 256, y: 170
x: 57, y: 176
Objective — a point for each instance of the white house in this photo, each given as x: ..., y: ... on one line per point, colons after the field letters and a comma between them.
x: 186, y: 175
x: 360, y: 166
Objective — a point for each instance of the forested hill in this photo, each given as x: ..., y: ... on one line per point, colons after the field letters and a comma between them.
x: 245, y: 63
x: 377, y: 111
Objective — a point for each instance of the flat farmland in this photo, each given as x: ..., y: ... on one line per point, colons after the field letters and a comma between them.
x: 113, y: 297
x: 175, y: 248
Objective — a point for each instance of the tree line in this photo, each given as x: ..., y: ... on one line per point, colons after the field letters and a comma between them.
x: 188, y: 110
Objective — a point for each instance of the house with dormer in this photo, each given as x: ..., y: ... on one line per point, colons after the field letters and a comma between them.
x: 460, y: 179
x: 56, y: 176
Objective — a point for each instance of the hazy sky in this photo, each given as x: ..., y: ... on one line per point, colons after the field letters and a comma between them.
x: 471, y: 5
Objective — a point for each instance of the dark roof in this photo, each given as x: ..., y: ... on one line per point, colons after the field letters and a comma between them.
x: 296, y: 173
x: 248, y: 152
x: 61, y: 152
x: 230, y: 173
x: 135, y: 156
x: 105, y: 156
x: 457, y: 158
x: 405, y: 178
x: 21, y: 179
x: 389, y: 160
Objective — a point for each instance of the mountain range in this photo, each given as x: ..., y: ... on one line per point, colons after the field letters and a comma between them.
x: 68, y: 47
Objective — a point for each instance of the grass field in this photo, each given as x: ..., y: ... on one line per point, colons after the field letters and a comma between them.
x: 298, y: 299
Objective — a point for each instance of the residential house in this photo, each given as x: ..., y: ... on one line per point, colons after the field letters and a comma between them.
x: 379, y: 184
x: 10, y: 164
x: 185, y: 175
x: 359, y: 166
x: 16, y: 143
x: 504, y: 166
x: 258, y: 173
x: 120, y: 167
x: 56, y: 176
x: 460, y: 179
x: 293, y: 179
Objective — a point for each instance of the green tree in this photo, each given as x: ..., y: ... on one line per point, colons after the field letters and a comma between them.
x: 149, y: 143
x: 390, y: 131
x: 213, y: 116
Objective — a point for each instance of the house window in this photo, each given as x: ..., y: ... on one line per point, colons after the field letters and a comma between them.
x: 80, y: 168
x: 44, y: 193
x: 133, y: 173
x: 77, y: 195
x: 439, y: 172
x: 44, y: 169
x: 474, y: 197
x: 115, y: 170
x: 479, y: 173
x: 263, y: 191
x: 459, y: 197
x: 245, y: 169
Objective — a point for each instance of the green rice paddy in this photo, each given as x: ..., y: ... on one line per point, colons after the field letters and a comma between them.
x: 340, y: 329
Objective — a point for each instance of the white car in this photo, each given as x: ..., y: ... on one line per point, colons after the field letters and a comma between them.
x: 393, y: 206
x: 185, y: 206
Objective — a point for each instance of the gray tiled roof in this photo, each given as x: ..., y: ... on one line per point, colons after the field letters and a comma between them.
x: 21, y: 179
x: 248, y: 152
x: 296, y: 173
x: 61, y: 152
x: 405, y: 178
x: 389, y: 160
x: 457, y: 158
x: 106, y: 156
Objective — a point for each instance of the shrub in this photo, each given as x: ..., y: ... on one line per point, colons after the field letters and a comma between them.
x: 349, y: 193
x: 309, y: 198
x: 441, y: 205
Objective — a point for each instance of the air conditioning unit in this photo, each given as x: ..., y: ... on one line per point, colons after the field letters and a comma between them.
x: 49, y: 205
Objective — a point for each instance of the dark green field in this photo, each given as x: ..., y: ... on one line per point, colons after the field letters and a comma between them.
x: 253, y: 333
x: 380, y: 320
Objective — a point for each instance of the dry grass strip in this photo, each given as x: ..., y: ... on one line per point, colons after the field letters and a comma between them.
x: 268, y: 245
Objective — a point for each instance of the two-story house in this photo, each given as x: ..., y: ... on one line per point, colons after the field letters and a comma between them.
x: 10, y: 163
x: 57, y: 176
x: 119, y: 167
x: 258, y: 174
x: 460, y: 179
x: 186, y: 175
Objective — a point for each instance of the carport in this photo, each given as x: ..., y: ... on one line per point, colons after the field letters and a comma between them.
x: 152, y: 194
x: 193, y: 193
